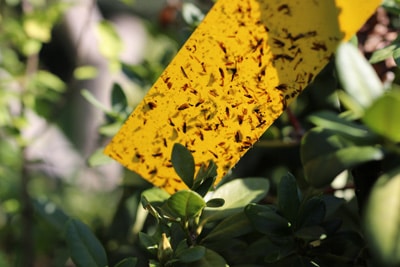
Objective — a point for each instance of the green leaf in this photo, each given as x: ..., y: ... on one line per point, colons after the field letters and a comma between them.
x: 311, y: 233
x: 49, y: 81
x: 351, y: 130
x: 215, y: 203
x: 92, y: 100
x: 110, y: 43
x: 267, y: 221
x: 85, y: 249
x: 288, y: 197
x: 382, y: 219
x: 183, y: 163
x: 325, y: 153
x: 128, y: 262
x: 211, y: 259
x: 51, y: 213
x: 186, y: 204
x: 231, y: 227
x: 85, y: 72
x: 155, y: 195
x: 118, y: 98
x: 237, y: 194
x: 98, y: 158
x: 205, y: 178
x: 192, y: 254
x: 396, y: 56
x: 149, y: 243
x: 382, y: 116
x: 383, y: 54
x: 312, y: 213
x: 357, y: 76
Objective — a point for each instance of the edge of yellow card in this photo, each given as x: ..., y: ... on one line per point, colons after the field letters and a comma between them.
x: 231, y: 80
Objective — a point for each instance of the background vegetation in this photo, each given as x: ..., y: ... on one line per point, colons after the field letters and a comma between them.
x: 321, y: 188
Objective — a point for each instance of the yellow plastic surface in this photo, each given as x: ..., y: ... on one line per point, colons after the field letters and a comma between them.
x: 236, y: 74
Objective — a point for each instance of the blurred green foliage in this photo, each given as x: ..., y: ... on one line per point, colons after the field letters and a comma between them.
x: 286, y: 213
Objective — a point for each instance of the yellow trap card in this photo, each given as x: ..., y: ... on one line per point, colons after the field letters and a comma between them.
x: 230, y: 81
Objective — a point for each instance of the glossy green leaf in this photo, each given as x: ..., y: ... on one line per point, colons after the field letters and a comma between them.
x: 185, y: 204
x: 325, y: 153
x: 128, y: 262
x: 267, y: 221
x: 183, y: 163
x: 382, y: 219
x: 288, y: 198
x: 85, y: 248
x: 383, y: 116
x: 357, y: 76
x: 237, y: 194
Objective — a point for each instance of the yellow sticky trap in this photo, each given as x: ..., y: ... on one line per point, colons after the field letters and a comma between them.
x: 236, y: 74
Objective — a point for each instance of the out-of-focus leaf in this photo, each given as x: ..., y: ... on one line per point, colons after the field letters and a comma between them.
x: 357, y: 76
x: 333, y: 121
x: 382, y: 220
x: 382, y: 54
x: 98, y: 158
x: 383, y: 116
x: 325, y: 154
x: 128, y: 262
x: 109, y: 40
x: 85, y: 72
x: 85, y: 248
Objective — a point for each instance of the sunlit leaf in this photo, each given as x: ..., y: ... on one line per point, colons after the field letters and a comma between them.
x: 186, y: 204
x: 85, y: 72
x: 383, y: 116
x: 382, y: 219
x: 357, y: 76
x: 237, y: 194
